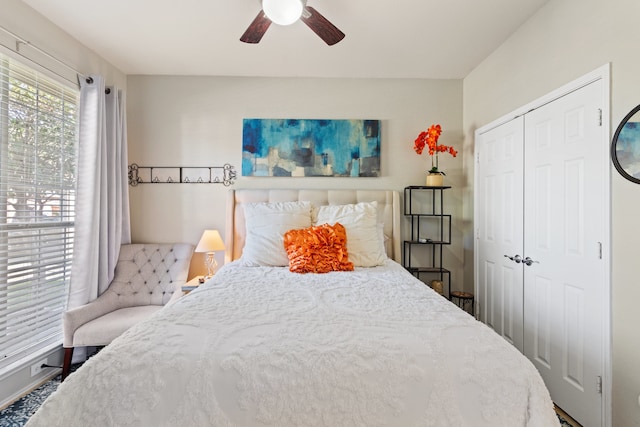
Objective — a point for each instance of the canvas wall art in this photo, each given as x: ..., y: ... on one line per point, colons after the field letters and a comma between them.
x: 625, y: 148
x: 310, y: 147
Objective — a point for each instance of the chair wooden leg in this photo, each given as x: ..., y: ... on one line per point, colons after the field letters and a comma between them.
x: 66, y: 364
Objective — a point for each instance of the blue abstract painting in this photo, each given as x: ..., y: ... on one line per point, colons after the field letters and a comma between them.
x: 310, y: 147
x: 628, y: 149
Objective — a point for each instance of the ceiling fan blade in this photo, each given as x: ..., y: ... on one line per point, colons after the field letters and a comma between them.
x: 256, y: 29
x: 321, y: 26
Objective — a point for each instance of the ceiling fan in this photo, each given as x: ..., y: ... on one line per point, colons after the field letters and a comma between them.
x: 286, y: 12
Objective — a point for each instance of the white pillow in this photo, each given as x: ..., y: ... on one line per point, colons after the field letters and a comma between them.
x: 365, y: 240
x: 266, y: 224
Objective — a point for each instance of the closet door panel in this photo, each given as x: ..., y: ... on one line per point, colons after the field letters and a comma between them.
x: 543, y: 218
x: 499, y: 230
x: 540, y: 320
x: 563, y: 219
x: 512, y: 285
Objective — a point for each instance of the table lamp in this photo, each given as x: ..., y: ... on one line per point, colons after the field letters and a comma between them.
x: 209, y: 243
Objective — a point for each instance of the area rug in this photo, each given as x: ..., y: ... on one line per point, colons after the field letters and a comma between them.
x: 563, y: 422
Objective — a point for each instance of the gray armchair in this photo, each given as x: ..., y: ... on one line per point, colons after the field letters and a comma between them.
x: 147, y: 277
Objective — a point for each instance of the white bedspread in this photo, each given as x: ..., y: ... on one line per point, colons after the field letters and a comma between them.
x: 260, y: 346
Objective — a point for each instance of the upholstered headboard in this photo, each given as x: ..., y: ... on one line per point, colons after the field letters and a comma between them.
x: 388, y: 212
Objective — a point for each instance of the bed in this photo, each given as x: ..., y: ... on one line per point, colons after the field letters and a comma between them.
x: 260, y: 345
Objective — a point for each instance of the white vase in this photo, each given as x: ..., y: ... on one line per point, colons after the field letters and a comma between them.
x: 435, y: 179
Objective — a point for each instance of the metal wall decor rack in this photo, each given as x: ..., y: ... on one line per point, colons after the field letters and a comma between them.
x: 181, y: 175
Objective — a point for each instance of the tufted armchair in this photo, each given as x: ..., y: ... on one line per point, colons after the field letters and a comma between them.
x: 147, y: 277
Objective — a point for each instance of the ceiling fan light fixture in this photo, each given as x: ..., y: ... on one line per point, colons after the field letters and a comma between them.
x: 283, y: 12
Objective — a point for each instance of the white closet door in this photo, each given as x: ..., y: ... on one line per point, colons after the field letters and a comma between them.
x: 499, y: 230
x: 563, y: 231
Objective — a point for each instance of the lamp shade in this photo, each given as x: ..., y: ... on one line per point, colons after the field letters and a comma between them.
x: 210, y: 242
x: 283, y: 12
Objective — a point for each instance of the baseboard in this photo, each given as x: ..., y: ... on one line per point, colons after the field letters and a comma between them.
x: 29, y: 388
x: 19, y: 382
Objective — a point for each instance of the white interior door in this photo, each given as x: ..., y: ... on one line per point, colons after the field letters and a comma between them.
x: 564, y: 228
x: 554, y: 306
x: 499, y: 233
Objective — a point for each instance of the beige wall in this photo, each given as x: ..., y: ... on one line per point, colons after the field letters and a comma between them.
x: 565, y: 40
x: 197, y: 121
x: 23, y: 21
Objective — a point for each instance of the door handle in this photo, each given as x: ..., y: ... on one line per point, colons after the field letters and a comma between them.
x: 528, y: 261
x: 515, y: 258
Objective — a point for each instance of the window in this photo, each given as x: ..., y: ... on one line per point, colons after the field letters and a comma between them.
x: 38, y: 139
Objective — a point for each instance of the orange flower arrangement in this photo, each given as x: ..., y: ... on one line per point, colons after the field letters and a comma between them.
x: 429, y: 139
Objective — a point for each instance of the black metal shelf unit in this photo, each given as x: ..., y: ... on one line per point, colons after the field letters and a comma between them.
x: 430, y: 231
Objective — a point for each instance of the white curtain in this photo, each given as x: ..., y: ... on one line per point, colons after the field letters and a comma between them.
x: 102, y: 200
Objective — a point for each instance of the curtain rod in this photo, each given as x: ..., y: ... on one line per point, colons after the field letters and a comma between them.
x: 48, y: 55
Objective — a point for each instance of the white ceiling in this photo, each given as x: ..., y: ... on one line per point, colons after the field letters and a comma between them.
x: 390, y: 38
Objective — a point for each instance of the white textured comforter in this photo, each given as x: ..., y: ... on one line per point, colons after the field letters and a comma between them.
x: 258, y: 346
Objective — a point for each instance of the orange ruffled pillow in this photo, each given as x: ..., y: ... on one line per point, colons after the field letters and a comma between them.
x: 318, y: 249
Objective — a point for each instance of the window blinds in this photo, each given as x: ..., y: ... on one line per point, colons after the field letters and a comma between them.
x: 38, y: 138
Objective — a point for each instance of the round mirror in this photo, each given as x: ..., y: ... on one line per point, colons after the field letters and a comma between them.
x: 625, y: 147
